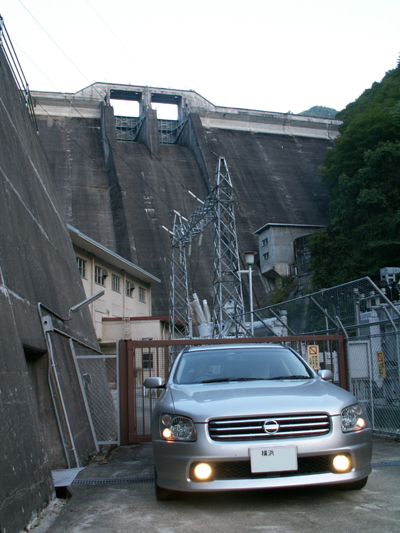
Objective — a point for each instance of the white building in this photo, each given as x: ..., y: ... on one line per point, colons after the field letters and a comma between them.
x: 124, y: 311
x: 276, y: 247
x: 389, y: 274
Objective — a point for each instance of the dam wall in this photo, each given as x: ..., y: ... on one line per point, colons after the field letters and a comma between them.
x: 273, y: 160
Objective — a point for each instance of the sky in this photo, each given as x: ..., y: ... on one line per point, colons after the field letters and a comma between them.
x: 271, y: 55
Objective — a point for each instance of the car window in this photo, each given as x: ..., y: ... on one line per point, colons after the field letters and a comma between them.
x: 239, y: 364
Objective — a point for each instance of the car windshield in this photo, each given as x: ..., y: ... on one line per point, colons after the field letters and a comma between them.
x: 239, y: 364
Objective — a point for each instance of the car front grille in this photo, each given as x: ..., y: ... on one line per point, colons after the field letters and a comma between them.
x: 241, y: 469
x: 269, y: 427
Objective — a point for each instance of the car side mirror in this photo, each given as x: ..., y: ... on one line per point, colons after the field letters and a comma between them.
x: 326, y: 375
x: 154, y: 383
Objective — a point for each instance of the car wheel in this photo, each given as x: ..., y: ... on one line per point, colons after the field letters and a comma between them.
x: 162, y: 494
x: 354, y: 485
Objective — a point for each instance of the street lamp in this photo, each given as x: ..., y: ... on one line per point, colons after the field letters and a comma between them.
x: 88, y: 301
x: 249, y: 258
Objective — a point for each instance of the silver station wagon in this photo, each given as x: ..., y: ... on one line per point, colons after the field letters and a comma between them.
x: 255, y: 416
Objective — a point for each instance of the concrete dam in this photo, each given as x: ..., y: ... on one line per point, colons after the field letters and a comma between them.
x: 119, y: 179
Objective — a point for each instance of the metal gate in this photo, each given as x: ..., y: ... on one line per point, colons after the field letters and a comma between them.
x: 141, y: 359
x: 99, y: 381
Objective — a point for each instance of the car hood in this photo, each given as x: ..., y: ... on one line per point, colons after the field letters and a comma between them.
x: 204, y: 401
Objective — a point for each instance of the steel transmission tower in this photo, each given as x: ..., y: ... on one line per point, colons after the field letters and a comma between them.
x: 179, y: 312
x: 228, y: 313
x: 228, y: 298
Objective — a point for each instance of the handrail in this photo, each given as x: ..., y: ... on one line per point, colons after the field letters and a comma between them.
x: 16, y: 70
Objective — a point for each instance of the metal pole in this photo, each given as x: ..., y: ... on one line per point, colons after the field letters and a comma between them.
x: 396, y: 339
x: 249, y: 273
x: 251, y: 299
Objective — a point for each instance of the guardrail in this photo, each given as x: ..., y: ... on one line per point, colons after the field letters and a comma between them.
x: 16, y: 69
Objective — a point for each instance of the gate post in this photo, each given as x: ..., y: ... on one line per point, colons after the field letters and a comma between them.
x: 123, y: 392
x: 342, y: 360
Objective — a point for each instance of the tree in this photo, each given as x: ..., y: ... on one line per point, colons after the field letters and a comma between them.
x: 363, y: 176
x: 320, y: 111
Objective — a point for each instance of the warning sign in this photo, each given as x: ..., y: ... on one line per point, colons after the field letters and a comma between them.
x: 313, y: 356
x: 380, y: 357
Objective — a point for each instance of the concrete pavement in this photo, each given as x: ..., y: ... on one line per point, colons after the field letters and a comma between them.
x: 115, y: 494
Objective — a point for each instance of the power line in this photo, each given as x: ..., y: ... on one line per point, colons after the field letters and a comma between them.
x: 114, y: 34
x: 84, y: 118
x: 53, y: 41
x: 74, y: 65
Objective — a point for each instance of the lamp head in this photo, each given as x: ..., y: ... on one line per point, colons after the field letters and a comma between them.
x: 89, y: 300
x: 250, y: 257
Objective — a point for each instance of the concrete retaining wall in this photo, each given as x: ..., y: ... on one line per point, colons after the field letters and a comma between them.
x: 37, y: 264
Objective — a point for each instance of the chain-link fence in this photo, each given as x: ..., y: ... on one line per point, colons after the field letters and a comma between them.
x: 371, y: 324
x: 100, y: 385
x: 344, y: 307
x: 374, y: 378
x: 147, y: 362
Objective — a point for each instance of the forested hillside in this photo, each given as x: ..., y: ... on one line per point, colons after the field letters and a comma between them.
x: 320, y: 111
x: 362, y: 174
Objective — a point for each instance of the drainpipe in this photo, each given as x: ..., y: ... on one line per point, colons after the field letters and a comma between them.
x: 123, y: 293
x: 47, y: 326
x: 92, y: 286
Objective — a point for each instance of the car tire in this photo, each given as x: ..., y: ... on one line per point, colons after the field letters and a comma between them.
x: 354, y: 485
x: 162, y: 494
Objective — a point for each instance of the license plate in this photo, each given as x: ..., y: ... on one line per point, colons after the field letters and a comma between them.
x: 273, y: 459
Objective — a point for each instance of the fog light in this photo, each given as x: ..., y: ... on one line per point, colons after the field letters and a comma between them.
x: 202, y: 471
x: 342, y: 463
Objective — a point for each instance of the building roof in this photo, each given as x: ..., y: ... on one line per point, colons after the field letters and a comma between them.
x: 89, y: 245
x: 135, y: 318
x: 273, y: 224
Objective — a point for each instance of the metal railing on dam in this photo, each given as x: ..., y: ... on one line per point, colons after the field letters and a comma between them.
x: 16, y: 69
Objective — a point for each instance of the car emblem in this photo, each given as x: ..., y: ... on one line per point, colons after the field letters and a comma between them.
x: 271, y: 427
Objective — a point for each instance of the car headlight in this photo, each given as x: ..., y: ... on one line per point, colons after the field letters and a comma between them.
x: 353, y: 419
x: 176, y: 427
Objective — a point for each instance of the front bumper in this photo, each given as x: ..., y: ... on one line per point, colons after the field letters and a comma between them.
x: 173, y: 460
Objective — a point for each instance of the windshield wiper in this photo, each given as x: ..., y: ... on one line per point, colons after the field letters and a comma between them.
x: 221, y: 380
x: 291, y: 377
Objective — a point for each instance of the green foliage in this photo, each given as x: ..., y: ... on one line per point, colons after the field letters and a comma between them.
x: 285, y: 291
x: 363, y: 175
x: 320, y: 111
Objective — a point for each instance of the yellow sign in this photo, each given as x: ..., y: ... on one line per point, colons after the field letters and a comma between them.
x: 380, y: 357
x: 313, y: 356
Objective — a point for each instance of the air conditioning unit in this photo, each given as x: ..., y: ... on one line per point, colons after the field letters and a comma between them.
x: 104, y: 273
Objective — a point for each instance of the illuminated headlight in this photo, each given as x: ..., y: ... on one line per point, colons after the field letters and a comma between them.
x: 353, y: 419
x: 176, y: 427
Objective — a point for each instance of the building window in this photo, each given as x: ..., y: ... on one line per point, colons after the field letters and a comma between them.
x: 142, y: 295
x: 81, y: 266
x: 129, y: 286
x: 100, y: 275
x: 265, y: 256
x: 147, y: 361
x: 115, y: 283
x: 264, y: 242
